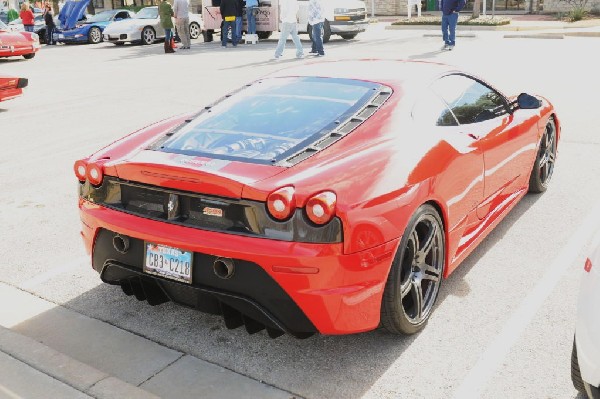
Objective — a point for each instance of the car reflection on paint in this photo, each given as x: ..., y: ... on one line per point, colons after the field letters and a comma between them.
x: 329, y: 198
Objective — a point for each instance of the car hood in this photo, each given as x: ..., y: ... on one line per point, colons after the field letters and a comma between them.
x: 127, y: 24
x: 71, y: 12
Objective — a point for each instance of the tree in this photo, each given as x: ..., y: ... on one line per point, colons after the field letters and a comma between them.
x: 476, y: 7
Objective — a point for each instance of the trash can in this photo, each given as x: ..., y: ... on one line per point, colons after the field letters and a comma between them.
x: 431, y: 5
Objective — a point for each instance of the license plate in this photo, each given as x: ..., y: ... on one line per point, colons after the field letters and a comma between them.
x: 168, y: 262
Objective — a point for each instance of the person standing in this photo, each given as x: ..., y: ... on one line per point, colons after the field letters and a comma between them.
x: 288, y: 17
x: 316, y: 20
x: 450, y: 10
x: 251, y: 7
x: 238, y: 20
x: 27, y: 17
x: 50, y: 25
x: 229, y: 10
x: 182, y: 21
x: 165, y: 12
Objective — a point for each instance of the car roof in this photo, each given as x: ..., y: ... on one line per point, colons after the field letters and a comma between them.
x: 392, y: 72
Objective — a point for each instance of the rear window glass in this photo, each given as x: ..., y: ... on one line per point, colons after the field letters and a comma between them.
x: 271, y: 118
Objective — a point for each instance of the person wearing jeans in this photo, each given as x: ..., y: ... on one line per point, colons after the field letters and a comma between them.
x: 27, y: 17
x: 50, y: 26
x: 166, y: 21
x: 316, y: 20
x: 251, y: 6
x: 182, y: 21
x: 288, y: 17
x: 450, y: 10
x: 229, y: 11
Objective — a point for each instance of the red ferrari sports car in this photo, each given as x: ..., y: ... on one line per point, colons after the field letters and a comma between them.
x: 330, y: 198
x: 17, y: 43
x: 11, y: 87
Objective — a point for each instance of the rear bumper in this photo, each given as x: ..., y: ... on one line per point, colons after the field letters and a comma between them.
x: 299, y: 288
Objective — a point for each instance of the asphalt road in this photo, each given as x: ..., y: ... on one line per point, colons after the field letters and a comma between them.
x: 505, y: 319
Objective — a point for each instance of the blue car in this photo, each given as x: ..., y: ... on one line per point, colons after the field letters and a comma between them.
x: 90, y: 30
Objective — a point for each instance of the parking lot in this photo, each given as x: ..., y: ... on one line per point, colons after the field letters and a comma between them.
x: 504, y: 321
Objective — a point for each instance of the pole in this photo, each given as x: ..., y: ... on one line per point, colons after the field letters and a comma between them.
x: 493, y: 8
x: 372, y: 8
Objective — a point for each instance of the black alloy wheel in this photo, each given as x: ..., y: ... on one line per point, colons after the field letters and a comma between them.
x: 543, y: 167
x: 416, y: 274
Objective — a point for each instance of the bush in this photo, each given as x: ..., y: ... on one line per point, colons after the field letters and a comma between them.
x: 577, y: 14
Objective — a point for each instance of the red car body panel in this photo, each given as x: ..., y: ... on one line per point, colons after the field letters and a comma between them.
x: 11, y: 87
x: 381, y: 173
x: 14, y: 44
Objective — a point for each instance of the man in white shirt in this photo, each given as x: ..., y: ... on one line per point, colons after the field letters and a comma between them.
x: 182, y: 21
x: 288, y: 17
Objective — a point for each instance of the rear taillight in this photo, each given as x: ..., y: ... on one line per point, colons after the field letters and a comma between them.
x: 588, y: 265
x: 94, y: 174
x: 320, y: 208
x: 80, y: 168
x: 281, y: 203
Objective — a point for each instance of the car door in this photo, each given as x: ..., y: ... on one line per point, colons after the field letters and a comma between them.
x: 456, y: 161
x: 483, y: 114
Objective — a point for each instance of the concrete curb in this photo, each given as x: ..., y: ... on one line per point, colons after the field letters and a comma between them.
x: 71, y: 372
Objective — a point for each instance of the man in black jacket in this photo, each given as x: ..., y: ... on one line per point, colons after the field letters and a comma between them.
x: 50, y: 25
x: 229, y: 11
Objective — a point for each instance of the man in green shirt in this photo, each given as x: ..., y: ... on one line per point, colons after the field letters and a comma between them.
x: 165, y: 11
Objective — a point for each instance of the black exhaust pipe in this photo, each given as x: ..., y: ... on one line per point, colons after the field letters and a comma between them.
x: 121, y: 243
x: 224, y: 268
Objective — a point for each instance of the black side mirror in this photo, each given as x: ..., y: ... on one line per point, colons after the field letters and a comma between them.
x: 527, y: 101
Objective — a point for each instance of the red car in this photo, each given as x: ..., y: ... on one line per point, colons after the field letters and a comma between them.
x: 330, y: 198
x: 11, y: 87
x: 14, y: 44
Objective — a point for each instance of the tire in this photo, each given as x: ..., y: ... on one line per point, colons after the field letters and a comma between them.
x: 195, y: 30
x: 29, y: 56
x: 94, y: 35
x: 575, y: 372
x: 263, y: 35
x: 349, y: 36
x: 416, y: 274
x: 42, y: 34
x: 119, y: 43
x: 148, y: 35
x: 543, y: 167
x: 326, y: 31
x: 580, y: 385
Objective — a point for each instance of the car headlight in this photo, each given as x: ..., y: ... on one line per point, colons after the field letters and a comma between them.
x: 340, y: 10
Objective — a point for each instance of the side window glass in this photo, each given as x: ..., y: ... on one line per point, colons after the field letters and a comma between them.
x: 430, y: 110
x: 469, y: 100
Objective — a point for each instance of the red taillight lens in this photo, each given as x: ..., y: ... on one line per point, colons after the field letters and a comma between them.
x: 80, y: 168
x: 320, y: 208
x: 588, y: 265
x: 281, y: 203
x: 94, y: 174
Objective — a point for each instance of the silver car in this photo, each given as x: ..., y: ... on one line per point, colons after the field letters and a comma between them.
x: 145, y: 27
